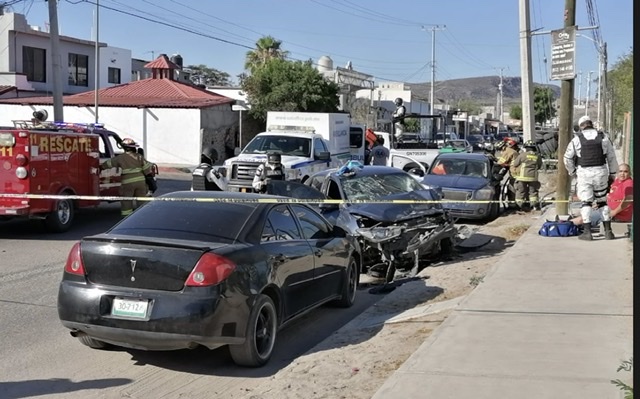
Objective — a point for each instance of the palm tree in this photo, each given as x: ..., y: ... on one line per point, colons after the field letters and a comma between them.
x: 267, y: 48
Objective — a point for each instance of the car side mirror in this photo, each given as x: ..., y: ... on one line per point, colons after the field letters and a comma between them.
x: 236, y: 151
x: 323, y: 156
x: 339, y: 231
x: 417, y: 172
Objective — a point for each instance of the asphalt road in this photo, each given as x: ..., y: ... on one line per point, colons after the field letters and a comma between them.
x: 40, y: 358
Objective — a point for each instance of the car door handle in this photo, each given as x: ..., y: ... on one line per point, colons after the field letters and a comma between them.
x: 318, y: 252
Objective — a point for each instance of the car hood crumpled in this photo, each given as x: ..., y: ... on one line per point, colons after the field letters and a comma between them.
x: 391, y: 213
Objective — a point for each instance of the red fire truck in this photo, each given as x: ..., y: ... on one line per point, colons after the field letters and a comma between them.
x: 55, y: 159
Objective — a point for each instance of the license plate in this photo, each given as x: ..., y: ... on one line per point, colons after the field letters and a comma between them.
x: 124, y: 307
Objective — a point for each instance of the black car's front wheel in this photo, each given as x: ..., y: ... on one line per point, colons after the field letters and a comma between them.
x: 262, y: 328
x: 349, y: 285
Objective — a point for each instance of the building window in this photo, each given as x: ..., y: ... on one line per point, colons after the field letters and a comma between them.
x: 78, y: 69
x: 114, y: 75
x: 34, y: 64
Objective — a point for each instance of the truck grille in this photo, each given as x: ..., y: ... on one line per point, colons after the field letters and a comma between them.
x: 456, y: 195
x: 243, y: 171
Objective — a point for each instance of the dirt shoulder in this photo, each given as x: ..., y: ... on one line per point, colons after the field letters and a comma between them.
x: 356, y: 360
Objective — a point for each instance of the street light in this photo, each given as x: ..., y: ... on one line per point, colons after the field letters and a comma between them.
x: 601, y: 55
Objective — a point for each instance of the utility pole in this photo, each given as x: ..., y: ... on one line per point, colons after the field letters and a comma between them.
x: 97, y: 63
x: 579, y: 88
x: 56, y: 67
x: 565, y: 130
x: 604, y: 88
x: 433, y: 63
x: 500, y: 102
x: 586, y: 102
x: 528, y: 126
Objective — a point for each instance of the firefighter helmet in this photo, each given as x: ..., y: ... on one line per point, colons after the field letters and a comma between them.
x: 530, y: 144
x: 398, y: 101
x: 510, y: 142
x: 130, y: 143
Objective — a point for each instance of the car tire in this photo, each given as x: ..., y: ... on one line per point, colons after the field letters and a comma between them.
x: 262, y: 328
x: 350, y: 285
x: 92, y: 343
x: 494, y: 210
x: 60, y: 219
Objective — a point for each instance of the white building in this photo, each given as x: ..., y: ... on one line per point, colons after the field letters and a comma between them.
x: 25, y: 62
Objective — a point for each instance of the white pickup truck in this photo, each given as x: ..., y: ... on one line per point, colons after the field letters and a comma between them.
x: 307, y: 141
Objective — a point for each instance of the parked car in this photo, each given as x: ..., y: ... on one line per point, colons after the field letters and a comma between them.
x: 463, y: 177
x: 388, y: 233
x: 477, y: 141
x: 459, y: 145
x: 206, y: 273
x: 441, y: 138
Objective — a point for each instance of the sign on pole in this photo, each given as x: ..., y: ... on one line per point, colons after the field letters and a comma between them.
x: 563, y: 51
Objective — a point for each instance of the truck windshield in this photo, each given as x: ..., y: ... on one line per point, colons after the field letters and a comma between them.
x: 285, y: 145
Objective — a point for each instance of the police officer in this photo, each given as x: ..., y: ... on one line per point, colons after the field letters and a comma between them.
x: 507, y: 155
x: 270, y: 170
x: 134, y: 168
x: 526, y: 166
x: 398, y: 117
x: 590, y: 156
x: 205, y: 177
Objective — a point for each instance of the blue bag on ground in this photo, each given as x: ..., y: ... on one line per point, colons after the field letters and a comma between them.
x: 559, y: 228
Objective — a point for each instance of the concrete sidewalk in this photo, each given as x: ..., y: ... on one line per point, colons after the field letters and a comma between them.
x: 552, y: 319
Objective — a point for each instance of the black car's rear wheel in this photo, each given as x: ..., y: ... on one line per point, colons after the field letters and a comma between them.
x: 260, y: 336
x: 92, y: 343
x: 350, y: 285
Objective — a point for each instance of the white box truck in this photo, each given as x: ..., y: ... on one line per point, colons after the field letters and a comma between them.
x: 307, y: 141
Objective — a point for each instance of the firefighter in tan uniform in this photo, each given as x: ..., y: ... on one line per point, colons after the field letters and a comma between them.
x: 507, y: 156
x: 134, y: 168
x: 526, y: 166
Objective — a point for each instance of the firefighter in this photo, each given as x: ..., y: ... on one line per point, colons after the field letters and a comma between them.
x: 134, y: 168
x: 590, y: 156
x: 507, y: 156
x: 526, y: 165
x: 398, y: 117
x: 205, y: 177
x: 270, y: 170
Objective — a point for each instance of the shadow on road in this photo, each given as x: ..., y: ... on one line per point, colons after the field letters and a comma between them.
x: 31, y: 388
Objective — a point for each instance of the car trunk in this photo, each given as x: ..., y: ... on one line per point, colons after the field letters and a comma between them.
x: 140, y: 263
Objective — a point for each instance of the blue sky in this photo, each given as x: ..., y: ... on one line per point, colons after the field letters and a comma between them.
x: 380, y: 39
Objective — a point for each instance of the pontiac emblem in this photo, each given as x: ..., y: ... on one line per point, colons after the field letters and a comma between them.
x: 133, y: 268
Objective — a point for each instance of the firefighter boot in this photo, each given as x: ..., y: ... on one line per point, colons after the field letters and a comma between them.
x: 608, y: 233
x: 586, y: 233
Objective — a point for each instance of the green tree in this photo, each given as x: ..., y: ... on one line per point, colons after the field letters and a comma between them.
x: 267, y: 48
x: 282, y: 85
x: 202, y: 74
x: 543, y: 108
x: 516, y: 112
x: 620, y: 81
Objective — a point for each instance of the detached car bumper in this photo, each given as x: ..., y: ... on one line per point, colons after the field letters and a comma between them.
x: 173, y: 320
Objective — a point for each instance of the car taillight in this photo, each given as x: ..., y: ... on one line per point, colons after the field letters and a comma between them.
x: 74, y: 263
x: 211, y: 269
x: 21, y: 159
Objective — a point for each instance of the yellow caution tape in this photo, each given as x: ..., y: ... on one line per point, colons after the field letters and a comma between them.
x: 263, y: 200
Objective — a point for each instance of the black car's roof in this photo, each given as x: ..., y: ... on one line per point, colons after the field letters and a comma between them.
x: 218, y: 194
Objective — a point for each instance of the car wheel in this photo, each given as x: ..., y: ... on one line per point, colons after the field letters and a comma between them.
x: 92, y: 343
x: 262, y: 328
x: 494, y: 210
x: 350, y: 285
x: 60, y: 219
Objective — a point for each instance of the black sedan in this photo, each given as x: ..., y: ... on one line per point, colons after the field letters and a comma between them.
x: 468, y: 183
x: 193, y: 271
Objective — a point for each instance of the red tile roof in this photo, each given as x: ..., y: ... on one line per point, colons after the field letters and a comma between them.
x: 152, y: 93
x: 162, y: 62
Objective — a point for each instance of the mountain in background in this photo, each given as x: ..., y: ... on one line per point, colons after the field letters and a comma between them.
x: 483, y: 90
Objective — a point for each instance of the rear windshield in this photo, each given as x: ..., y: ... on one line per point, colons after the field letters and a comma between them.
x: 187, y: 220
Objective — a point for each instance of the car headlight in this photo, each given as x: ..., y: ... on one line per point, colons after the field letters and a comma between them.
x: 380, y: 234
x: 484, y: 194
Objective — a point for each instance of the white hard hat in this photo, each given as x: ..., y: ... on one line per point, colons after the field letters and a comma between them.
x: 584, y: 119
